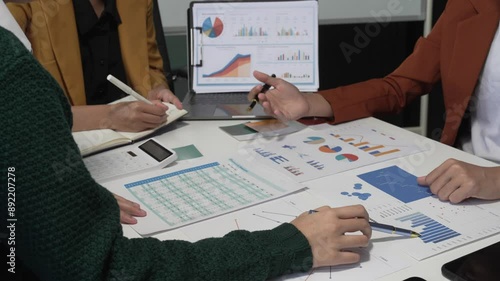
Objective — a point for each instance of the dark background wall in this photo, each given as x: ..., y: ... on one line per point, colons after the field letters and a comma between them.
x: 436, y: 103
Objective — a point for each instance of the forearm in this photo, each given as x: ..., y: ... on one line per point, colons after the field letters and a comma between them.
x: 91, y: 117
x: 240, y: 255
x: 318, y: 106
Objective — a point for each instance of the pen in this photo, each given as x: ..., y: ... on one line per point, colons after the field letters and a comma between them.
x: 126, y: 89
x: 255, y: 100
x: 388, y: 228
x: 393, y: 230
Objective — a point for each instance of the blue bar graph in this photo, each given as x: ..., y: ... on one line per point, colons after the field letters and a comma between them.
x: 433, y: 231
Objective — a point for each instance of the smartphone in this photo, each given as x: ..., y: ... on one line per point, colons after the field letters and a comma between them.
x: 481, y: 265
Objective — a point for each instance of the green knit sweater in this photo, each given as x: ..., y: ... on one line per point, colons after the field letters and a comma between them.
x: 68, y: 226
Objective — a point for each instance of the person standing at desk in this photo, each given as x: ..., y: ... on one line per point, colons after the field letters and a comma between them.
x: 66, y: 226
x: 463, y: 52
x: 81, y: 42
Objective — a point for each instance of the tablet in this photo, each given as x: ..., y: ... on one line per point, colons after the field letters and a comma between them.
x: 481, y: 265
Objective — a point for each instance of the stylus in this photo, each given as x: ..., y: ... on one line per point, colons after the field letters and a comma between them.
x: 126, y: 89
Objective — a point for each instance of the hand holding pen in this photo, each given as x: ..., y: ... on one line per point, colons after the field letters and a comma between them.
x: 284, y: 102
x: 134, y: 116
x: 325, y: 231
x: 255, y: 100
x: 387, y: 228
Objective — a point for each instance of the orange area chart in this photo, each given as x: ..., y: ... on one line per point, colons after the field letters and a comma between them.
x: 239, y: 66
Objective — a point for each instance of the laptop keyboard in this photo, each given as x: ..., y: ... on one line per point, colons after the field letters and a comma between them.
x: 220, y: 98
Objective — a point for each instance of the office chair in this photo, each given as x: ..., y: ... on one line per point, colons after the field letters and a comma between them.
x: 170, y: 74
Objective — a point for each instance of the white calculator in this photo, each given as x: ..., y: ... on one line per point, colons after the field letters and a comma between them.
x: 129, y: 160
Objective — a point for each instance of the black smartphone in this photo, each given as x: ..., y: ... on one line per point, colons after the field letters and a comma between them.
x: 481, y: 265
x: 414, y: 278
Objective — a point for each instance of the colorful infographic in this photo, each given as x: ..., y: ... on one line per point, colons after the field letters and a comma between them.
x: 392, y: 196
x: 315, y: 154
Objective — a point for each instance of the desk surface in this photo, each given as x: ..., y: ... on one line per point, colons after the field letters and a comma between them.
x: 213, y: 142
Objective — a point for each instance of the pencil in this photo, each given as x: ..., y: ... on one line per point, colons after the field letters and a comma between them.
x: 126, y: 89
x: 387, y: 228
x: 255, y: 100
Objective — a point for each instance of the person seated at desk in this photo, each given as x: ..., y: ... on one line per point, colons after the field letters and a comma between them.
x: 81, y: 42
x: 463, y: 52
x: 67, y: 226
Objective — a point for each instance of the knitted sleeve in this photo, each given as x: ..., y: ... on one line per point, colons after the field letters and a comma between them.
x: 67, y: 226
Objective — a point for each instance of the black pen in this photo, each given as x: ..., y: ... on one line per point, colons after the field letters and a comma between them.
x: 255, y: 100
x: 387, y: 228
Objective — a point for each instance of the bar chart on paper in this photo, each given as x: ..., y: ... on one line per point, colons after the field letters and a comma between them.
x: 318, y: 153
x: 199, y: 192
x: 432, y: 231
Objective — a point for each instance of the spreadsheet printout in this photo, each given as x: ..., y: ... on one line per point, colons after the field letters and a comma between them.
x: 177, y: 197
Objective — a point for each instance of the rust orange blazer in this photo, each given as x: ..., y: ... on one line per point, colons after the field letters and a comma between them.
x: 454, y: 52
x: 51, y: 28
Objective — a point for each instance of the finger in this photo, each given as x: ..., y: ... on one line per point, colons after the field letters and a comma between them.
x: 266, y: 79
x: 356, y: 224
x: 422, y: 181
x: 353, y: 241
x: 440, y: 170
x: 127, y: 219
x: 157, y: 109
x: 160, y: 104
x: 133, y: 209
x: 129, y: 207
x: 177, y: 103
x: 460, y: 194
x: 150, y: 119
x: 448, y: 188
x: 354, y: 211
x: 457, y: 190
x: 347, y: 257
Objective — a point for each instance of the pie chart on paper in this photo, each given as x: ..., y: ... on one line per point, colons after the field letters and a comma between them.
x: 213, y: 28
x: 330, y: 149
x: 346, y: 157
x: 314, y: 140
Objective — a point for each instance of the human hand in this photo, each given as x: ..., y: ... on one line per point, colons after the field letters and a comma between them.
x: 456, y: 181
x: 284, y: 101
x: 136, y: 116
x: 129, y: 210
x: 163, y: 94
x: 326, y: 232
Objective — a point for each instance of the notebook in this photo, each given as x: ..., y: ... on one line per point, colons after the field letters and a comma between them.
x: 228, y: 40
x: 93, y: 141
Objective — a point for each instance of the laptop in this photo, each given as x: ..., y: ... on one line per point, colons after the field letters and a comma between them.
x: 228, y: 40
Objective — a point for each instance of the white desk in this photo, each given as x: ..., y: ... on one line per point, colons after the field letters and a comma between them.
x: 213, y: 142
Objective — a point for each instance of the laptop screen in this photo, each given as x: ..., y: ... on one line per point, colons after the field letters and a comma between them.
x: 229, y: 40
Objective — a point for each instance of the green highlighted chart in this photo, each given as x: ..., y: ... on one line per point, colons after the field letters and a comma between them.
x: 196, y: 192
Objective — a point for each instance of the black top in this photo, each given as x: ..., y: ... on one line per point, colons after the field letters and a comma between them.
x: 100, y: 50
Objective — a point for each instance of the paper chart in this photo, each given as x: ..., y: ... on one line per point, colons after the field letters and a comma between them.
x: 392, y: 196
x: 314, y: 154
x: 177, y: 197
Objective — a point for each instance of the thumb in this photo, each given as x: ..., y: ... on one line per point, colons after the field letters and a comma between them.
x: 422, y: 181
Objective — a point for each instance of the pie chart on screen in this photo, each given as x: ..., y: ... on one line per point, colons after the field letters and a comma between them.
x: 314, y: 140
x: 212, y: 27
x: 346, y: 157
